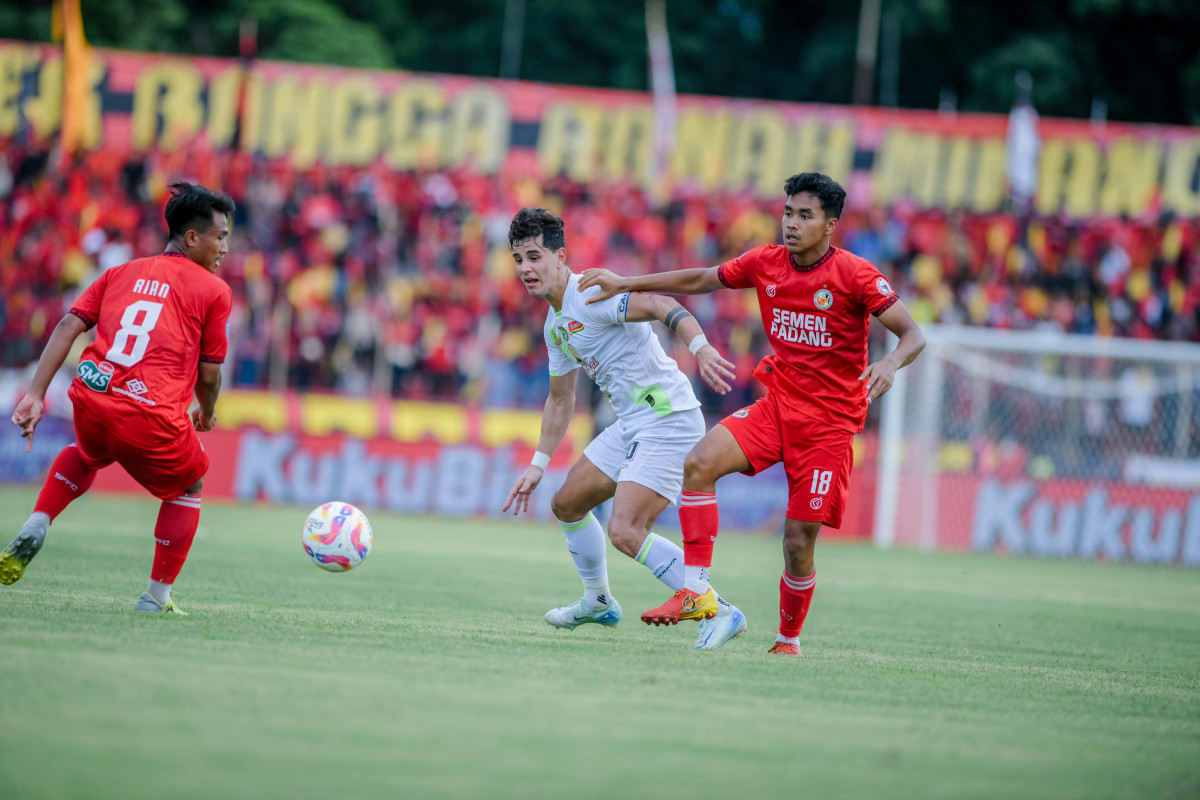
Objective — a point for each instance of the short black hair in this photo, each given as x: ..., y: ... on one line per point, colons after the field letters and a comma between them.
x: 191, y: 207
x: 829, y: 193
x: 529, y: 223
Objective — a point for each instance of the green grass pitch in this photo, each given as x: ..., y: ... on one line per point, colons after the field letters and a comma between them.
x: 428, y: 672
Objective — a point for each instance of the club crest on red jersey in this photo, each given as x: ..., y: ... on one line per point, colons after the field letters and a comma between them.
x: 883, y: 286
x: 823, y: 299
x: 771, y: 290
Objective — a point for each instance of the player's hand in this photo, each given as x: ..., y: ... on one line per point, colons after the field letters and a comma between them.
x: 203, y: 422
x: 609, y: 283
x: 715, y: 371
x: 523, y: 488
x: 27, y: 415
x: 879, y: 377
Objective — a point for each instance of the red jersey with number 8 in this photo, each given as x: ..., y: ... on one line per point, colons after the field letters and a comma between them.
x: 156, y: 319
x: 816, y: 318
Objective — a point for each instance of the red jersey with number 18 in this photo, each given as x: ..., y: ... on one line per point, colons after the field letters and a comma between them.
x: 816, y: 318
x: 156, y: 319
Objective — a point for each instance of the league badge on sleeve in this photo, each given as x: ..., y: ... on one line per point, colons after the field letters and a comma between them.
x: 883, y: 286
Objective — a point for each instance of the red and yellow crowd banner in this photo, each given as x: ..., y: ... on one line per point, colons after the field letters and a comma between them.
x: 306, y: 114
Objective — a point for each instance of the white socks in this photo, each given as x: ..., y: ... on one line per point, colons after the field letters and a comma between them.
x: 586, y: 543
x: 663, y: 558
x: 159, y: 591
x: 779, y: 637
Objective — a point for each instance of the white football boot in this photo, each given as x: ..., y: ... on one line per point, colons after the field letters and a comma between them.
x: 581, y: 613
x: 727, y: 625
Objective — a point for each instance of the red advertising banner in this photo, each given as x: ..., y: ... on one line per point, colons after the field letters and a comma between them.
x: 431, y: 477
x: 1067, y: 518
x: 304, y: 114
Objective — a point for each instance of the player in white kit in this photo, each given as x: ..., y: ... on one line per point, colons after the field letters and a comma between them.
x: 637, y: 460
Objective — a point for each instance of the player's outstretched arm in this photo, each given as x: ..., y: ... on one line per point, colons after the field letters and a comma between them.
x: 28, y: 412
x: 679, y: 281
x: 560, y: 405
x: 879, y: 376
x: 208, y: 386
x: 715, y: 370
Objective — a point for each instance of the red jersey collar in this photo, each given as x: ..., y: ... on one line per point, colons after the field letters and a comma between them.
x: 181, y: 255
x: 828, y: 255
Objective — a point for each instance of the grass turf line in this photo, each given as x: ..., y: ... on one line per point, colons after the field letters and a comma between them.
x: 428, y: 672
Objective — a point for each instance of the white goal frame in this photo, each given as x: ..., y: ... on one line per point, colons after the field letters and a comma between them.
x: 967, y: 347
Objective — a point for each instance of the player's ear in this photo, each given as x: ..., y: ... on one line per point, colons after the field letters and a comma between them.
x: 561, y: 255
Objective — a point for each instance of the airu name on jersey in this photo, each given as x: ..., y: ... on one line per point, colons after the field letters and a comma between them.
x: 152, y: 288
x: 800, y: 328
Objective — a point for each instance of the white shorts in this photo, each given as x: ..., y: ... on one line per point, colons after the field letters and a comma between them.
x: 649, y: 452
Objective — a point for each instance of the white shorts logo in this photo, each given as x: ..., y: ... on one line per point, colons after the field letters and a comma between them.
x: 742, y: 413
x: 816, y: 503
x: 771, y: 290
x: 882, y: 285
x: 823, y: 299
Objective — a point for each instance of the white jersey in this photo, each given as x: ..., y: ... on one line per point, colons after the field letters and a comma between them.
x: 625, y: 360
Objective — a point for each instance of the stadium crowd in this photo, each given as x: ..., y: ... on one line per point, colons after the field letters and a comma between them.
x: 368, y: 279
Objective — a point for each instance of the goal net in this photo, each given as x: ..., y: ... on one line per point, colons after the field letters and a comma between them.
x: 1043, y: 443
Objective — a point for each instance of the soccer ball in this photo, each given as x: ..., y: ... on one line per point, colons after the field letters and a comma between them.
x: 337, y: 537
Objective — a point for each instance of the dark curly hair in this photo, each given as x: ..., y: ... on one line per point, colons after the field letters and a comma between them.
x: 191, y: 208
x: 529, y: 223
x: 829, y: 193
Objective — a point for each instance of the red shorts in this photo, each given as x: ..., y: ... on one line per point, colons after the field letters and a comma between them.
x: 816, y: 457
x: 166, y: 461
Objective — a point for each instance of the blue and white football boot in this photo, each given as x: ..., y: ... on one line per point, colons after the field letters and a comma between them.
x: 581, y: 613
x: 727, y: 625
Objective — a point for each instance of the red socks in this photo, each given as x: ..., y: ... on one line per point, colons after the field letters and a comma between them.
x: 700, y: 520
x: 795, y: 596
x: 69, y: 478
x: 173, y: 534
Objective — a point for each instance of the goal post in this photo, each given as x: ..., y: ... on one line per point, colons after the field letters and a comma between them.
x: 1043, y: 443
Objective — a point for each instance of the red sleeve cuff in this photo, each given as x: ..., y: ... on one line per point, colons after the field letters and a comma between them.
x: 891, y: 301
x: 213, y: 359
x: 721, y: 276
x: 85, y: 318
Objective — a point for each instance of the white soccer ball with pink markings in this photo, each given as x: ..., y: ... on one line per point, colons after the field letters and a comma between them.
x: 337, y: 537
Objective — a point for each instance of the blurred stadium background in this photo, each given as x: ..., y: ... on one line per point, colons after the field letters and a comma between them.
x: 1026, y: 174
x: 1028, y: 183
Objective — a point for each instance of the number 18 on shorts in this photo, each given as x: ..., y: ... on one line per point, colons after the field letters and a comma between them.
x: 819, y: 478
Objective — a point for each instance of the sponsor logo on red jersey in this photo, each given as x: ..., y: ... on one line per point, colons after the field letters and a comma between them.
x: 801, y: 328
x: 771, y: 290
x: 96, y: 376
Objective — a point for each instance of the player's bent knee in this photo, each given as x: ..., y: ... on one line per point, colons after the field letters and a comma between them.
x: 800, y: 537
x: 564, y: 510
x: 698, y: 468
x: 626, y: 538
x: 195, y: 487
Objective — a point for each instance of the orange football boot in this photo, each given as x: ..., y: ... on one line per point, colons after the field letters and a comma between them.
x: 684, y: 604
x: 785, y: 649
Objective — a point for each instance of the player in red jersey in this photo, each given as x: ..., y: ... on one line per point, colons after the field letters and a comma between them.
x: 816, y: 302
x: 160, y: 337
